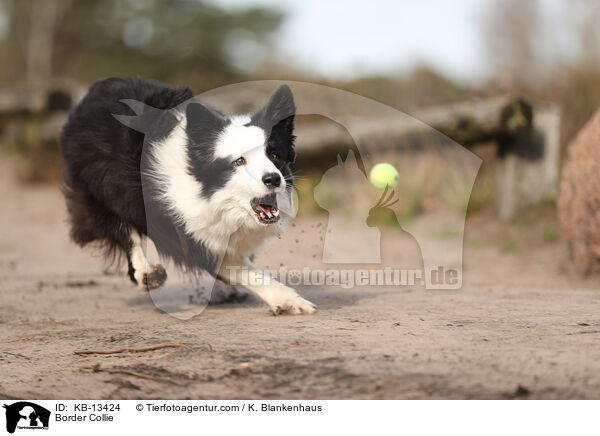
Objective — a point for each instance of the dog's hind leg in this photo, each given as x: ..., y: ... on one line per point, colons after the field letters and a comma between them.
x: 140, y: 270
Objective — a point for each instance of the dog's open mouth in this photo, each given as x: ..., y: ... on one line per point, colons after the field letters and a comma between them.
x: 265, y: 209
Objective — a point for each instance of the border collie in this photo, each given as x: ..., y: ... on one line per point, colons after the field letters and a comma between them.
x: 147, y: 160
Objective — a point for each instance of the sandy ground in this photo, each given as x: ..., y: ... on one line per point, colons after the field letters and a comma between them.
x: 523, y: 326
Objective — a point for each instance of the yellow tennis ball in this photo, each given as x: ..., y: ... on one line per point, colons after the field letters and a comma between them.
x: 382, y: 175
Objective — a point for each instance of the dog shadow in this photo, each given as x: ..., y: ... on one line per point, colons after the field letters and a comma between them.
x: 334, y: 297
x: 187, y: 301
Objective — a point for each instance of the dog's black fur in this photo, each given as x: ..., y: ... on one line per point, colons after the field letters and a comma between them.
x: 102, y: 179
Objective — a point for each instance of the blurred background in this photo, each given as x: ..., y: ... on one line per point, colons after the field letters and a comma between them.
x: 515, y: 82
x: 473, y: 70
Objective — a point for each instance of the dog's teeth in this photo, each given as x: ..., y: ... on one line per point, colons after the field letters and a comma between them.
x: 276, y: 212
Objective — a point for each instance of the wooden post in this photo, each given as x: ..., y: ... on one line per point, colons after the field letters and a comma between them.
x: 522, y: 182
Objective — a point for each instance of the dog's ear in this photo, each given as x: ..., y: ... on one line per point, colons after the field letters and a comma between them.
x: 279, y: 109
x: 280, y: 106
x: 277, y: 118
x: 203, y: 122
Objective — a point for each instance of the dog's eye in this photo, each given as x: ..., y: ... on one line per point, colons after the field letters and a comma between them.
x: 239, y: 162
x: 273, y: 157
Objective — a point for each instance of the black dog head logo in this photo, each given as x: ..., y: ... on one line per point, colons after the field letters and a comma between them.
x: 26, y: 414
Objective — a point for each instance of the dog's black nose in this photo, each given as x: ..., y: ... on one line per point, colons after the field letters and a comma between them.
x: 272, y: 180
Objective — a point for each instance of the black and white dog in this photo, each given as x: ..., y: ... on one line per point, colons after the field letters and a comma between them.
x: 206, y: 188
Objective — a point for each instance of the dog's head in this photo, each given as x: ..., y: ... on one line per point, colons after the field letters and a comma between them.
x: 243, y: 162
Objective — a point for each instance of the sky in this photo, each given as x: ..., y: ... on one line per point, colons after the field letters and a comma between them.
x: 346, y: 39
x: 343, y: 40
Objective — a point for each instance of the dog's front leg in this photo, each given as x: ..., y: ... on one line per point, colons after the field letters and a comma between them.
x: 147, y: 276
x: 280, y: 298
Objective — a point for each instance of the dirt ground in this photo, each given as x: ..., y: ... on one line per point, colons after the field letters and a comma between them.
x: 523, y: 326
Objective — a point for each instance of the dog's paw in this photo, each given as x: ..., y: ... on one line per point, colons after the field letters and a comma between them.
x: 292, y: 304
x: 154, y: 278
